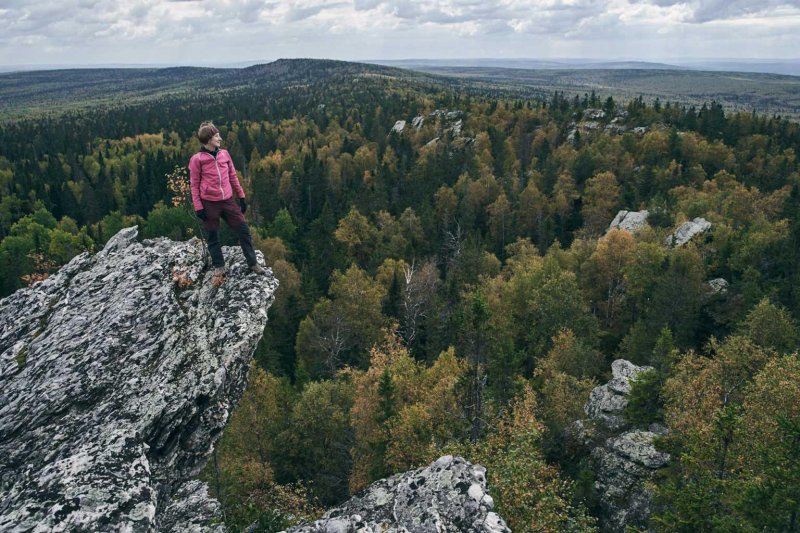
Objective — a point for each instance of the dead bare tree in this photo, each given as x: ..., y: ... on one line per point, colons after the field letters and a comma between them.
x: 334, y: 339
x: 420, y: 286
x: 452, y: 244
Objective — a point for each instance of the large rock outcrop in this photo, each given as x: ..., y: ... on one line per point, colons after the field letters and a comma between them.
x: 449, y: 496
x: 452, y: 121
x: 625, y: 458
x: 631, y: 221
x: 606, y: 404
x: 117, y: 375
x: 687, y: 231
x: 624, y: 465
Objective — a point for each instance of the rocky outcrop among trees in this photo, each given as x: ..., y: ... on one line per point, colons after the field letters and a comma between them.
x: 625, y: 458
x: 119, y: 373
x: 447, y: 120
x: 718, y: 285
x: 687, y: 231
x: 629, y: 220
x: 447, y: 496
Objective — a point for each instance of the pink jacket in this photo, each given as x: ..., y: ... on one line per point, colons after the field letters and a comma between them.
x: 212, y: 179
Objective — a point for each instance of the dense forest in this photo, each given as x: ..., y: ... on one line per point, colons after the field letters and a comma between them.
x: 450, y: 285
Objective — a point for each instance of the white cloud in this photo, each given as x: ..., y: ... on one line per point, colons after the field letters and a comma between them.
x: 701, y: 11
x: 235, y: 30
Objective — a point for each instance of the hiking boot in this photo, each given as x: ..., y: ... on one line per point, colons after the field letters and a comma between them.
x: 218, y: 277
x: 258, y: 269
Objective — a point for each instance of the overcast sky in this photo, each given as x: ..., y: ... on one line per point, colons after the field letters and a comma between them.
x: 227, y: 31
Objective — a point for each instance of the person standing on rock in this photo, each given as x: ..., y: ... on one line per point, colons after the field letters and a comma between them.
x: 213, y: 181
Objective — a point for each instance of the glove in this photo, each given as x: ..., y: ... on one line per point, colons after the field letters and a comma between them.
x: 242, y: 205
x: 201, y: 214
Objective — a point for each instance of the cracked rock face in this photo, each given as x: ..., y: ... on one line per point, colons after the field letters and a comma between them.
x: 117, y: 374
x: 447, y: 496
x: 631, y: 221
x: 687, y: 231
x: 625, y: 459
x: 624, y: 464
x: 607, y: 403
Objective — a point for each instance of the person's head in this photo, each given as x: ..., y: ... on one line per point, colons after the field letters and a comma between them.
x: 208, y: 134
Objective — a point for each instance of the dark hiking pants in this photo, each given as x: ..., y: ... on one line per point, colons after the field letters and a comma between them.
x: 232, y: 213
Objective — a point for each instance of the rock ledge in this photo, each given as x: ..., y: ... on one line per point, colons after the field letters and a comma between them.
x: 117, y: 374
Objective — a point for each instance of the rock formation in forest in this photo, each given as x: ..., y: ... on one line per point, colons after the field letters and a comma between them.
x: 449, y: 496
x: 687, y: 231
x: 118, y: 373
x: 625, y: 458
x: 629, y: 220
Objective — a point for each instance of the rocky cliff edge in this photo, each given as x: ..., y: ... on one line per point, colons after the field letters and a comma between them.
x: 117, y: 374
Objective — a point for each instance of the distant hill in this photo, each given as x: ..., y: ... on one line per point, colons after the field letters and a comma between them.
x: 48, y: 91
x: 741, y: 91
x: 789, y: 67
x: 73, y: 66
x: 53, y: 91
x: 537, y: 64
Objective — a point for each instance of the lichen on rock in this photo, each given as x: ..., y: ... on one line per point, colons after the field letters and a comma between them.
x: 448, y: 496
x: 686, y: 231
x: 631, y: 221
x: 128, y: 379
x: 625, y: 458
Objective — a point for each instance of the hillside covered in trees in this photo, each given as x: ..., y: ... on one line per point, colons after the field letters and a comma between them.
x: 450, y: 285
x: 736, y: 91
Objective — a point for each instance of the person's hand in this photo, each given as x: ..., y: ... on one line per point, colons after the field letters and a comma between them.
x: 201, y: 214
x: 242, y: 205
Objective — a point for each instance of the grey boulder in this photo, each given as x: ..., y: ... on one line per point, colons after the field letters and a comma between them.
x: 447, y: 496
x: 631, y: 221
x: 606, y: 404
x: 687, y: 231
